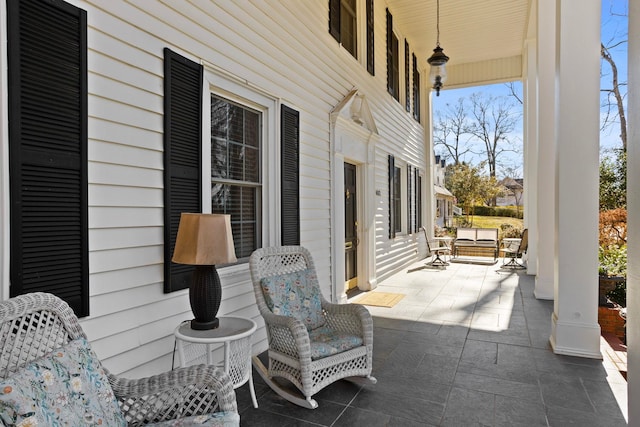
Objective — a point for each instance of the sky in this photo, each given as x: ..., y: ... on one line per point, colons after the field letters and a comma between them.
x: 613, y: 30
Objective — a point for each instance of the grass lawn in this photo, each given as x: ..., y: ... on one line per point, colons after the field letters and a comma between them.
x: 495, y: 221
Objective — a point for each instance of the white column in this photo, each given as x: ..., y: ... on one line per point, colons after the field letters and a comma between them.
x: 546, y: 171
x: 530, y: 91
x: 575, y: 329
x: 633, y: 215
x: 428, y: 192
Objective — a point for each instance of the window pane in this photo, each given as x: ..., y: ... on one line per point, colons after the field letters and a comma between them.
x: 220, y: 198
x: 348, y: 26
x: 236, y: 162
x: 236, y: 121
x: 219, y: 158
x: 252, y: 166
x: 219, y: 111
x: 235, y: 156
x: 251, y: 128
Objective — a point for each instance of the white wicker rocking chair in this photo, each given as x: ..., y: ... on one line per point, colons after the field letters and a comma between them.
x: 33, y: 325
x: 292, y: 346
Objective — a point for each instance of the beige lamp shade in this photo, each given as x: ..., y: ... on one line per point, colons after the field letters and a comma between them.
x: 204, y: 239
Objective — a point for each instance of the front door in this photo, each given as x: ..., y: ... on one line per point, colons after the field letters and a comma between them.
x: 350, y: 227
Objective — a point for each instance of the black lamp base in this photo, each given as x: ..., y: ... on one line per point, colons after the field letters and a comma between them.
x: 204, y: 326
x: 205, y: 294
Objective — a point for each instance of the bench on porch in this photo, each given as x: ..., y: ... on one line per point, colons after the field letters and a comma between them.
x: 476, y: 242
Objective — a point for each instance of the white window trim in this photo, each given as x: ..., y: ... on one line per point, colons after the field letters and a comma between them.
x: 224, y: 84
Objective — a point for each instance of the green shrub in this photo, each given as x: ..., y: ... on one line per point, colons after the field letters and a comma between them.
x: 619, y: 294
x: 504, y: 211
x: 509, y: 231
x: 612, y: 260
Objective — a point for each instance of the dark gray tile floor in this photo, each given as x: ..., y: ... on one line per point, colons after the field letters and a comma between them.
x: 466, y: 346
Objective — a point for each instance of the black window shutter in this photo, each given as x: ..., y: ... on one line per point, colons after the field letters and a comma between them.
x: 409, y: 204
x: 290, y: 178
x: 392, y: 222
x: 390, y: 53
x: 370, y: 39
x: 47, y: 75
x: 407, y: 92
x: 334, y: 19
x: 418, y: 200
x: 182, y: 156
x: 416, y: 90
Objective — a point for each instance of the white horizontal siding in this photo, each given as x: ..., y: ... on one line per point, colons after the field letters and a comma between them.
x: 282, y: 48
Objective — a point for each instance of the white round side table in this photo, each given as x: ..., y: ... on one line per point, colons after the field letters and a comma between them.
x: 235, y: 333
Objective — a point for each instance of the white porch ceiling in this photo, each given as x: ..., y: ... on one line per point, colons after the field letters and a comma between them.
x: 471, y: 31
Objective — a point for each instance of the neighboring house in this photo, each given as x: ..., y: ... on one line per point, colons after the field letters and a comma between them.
x: 124, y: 114
x: 514, y: 192
x: 444, y: 198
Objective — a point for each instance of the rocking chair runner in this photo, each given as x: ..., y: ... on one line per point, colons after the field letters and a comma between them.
x: 32, y: 326
x: 312, y: 343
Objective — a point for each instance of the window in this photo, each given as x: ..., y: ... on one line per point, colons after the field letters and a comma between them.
x: 393, y: 71
x: 344, y: 28
x: 343, y: 24
x: 215, y: 130
x: 397, y: 199
x: 47, y: 99
x: 235, y: 170
x: 416, y: 90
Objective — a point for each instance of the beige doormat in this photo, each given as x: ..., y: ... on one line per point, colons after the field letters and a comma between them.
x: 380, y: 299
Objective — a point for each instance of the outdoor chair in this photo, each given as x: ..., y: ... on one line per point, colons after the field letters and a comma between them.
x: 49, y: 375
x: 438, y: 250
x: 312, y: 343
x: 514, y: 250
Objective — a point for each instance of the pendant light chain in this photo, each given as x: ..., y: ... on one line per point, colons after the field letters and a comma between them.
x: 438, y: 59
x: 437, y: 22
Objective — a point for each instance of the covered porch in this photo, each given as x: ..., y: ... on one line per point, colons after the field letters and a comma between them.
x: 466, y: 345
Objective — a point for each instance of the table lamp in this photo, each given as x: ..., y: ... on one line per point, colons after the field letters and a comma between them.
x: 204, y: 240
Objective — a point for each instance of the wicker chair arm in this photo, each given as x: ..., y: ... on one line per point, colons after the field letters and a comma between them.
x: 195, y: 390
x: 287, y: 335
x: 350, y: 318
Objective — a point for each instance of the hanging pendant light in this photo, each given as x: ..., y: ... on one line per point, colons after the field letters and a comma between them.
x: 438, y: 59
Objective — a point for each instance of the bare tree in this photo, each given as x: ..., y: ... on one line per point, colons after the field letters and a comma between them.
x: 514, y: 93
x: 614, y: 104
x: 494, y: 121
x: 450, y: 130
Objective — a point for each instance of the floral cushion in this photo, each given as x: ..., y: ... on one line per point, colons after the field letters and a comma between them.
x: 67, y: 387
x: 296, y: 295
x: 217, y: 419
x: 326, y: 342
